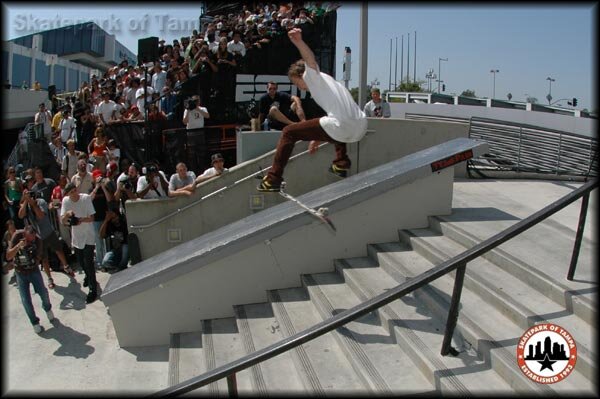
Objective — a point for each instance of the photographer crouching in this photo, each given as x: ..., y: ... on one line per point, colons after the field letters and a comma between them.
x: 26, y: 250
x: 77, y: 211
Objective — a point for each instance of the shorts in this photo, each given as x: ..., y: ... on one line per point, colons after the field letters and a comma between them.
x: 51, y: 243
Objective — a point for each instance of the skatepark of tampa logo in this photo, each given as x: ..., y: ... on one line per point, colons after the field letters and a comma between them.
x: 546, y: 353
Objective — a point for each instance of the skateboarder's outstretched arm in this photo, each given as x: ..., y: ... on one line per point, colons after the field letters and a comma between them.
x: 308, y: 56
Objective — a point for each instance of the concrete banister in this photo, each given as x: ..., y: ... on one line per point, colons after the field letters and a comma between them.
x: 238, y: 263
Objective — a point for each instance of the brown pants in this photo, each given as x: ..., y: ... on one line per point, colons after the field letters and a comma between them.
x: 306, y: 131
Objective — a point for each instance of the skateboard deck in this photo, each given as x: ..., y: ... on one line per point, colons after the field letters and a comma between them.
x: 320, y: 214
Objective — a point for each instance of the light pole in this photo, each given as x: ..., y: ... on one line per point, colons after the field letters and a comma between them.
x: 494, y: 71
x: 549, y: 96
x: 440, y: 72
x: 430, y: 75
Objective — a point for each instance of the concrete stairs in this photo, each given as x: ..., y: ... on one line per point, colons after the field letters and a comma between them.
x: 396, y: 349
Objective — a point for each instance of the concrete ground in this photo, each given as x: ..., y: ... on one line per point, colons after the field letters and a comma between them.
x: 78, y: 354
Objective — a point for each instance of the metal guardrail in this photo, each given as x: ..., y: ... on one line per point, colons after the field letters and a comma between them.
x: 437, y: 118
x: 458, y: 262
x: 526, y: 148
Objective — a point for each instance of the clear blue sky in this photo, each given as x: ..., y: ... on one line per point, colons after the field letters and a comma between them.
x: 526, y: 43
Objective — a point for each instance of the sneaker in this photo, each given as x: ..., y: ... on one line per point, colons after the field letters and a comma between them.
x: 50, y: 315
x: 267, y: 186
x: 336, y: 170
x: 37, y: 328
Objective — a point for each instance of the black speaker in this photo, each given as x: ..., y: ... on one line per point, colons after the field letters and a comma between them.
x: 51, y: 91
x: 148, y: 49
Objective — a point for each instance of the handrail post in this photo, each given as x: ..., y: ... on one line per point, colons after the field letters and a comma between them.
x: 578, y: 237
x: 232, y: 386
x: 453, y: 311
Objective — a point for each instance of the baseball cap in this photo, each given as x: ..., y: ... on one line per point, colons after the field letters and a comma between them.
x: 96, y: 173
x: 69, y: 187
x: 111, y: 167
x: 216, y: 157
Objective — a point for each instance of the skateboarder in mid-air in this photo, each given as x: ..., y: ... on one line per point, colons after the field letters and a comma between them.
x: 345, y: 121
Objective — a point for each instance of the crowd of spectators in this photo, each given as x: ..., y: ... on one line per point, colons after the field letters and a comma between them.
x: 91, y: 164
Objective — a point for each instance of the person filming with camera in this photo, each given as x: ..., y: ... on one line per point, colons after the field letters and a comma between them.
x: 26, y: 252
x: 77, y: 211
x: 194, y: 114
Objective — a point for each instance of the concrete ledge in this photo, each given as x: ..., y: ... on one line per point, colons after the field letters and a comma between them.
x: 235, y: 264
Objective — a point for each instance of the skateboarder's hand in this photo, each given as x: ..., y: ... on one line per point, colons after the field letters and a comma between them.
x: 313, y: 146
x: 295, y: 35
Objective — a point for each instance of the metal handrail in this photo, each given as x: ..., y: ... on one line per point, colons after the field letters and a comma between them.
x: 457, y: 262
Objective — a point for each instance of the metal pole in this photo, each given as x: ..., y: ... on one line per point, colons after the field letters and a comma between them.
x: 232, y: 386
x: 494, y: 90
x: 402, y: 63
x: 396, y: 67
x: 364, y: 33
x: 439, y: 73
x: 578, y: 237
x: 390, y: 80
x: 453, y: 311
x: 408, y: 59
x: 415, y: 60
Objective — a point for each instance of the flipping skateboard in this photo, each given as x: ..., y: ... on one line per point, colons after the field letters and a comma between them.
x: 320, y: 214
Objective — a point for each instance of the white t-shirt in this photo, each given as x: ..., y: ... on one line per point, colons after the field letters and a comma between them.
x: 158, y: 81
x: 239, y: 47
x: 44, y: 118
x: 210, y: 172
x: 84, y: 233
x: 345, y: 121
x: 66, y: 126
x: 106, y: 109
x: 196, y: 119
x: 139, y: 95
x: 142, y: 183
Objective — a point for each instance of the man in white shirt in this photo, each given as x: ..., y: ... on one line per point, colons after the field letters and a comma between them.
x: 106, y: 108
x: 217, y: 169
x: 66, y: 126
x: 235, y: 47
x: 153, y: 185
x: 78, y: 211
x: 44, y: 118
x: 194, y: 118
x: 139, y: 95
x: 159, y: 78
x: 345, y: 121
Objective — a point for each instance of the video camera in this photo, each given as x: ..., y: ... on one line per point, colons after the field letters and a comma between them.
x: 190, y: 103
x: 73, y: 220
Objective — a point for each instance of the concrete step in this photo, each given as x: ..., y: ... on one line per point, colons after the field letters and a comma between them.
x: 508, y: 294
x: 481, y: 325
x: 372, y: 351
x: 576, y: 296
x: 419, y: 332
x: 259, y: 328
x: 186, y: 359
x: 320, y: 362
x: 223, y: 344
